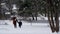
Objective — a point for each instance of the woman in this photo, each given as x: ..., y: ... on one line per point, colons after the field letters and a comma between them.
x: 14, y: 21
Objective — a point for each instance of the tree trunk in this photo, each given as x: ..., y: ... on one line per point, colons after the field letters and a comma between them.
x: 32, y: 17
x: 54, y: 26
x: 45, y: 13
x: 50, y: 22
x: 36, y: 16
x: 57, y: 21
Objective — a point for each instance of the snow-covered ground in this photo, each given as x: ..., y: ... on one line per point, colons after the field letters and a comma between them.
x: 27, y: 28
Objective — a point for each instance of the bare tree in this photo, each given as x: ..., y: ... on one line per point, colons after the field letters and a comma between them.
x: 52, y: 11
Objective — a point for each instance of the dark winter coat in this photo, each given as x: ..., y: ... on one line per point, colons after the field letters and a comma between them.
x: 14, y: 21
x: 20, y: 23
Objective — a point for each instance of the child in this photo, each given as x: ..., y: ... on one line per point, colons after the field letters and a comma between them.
x: 20, y: 23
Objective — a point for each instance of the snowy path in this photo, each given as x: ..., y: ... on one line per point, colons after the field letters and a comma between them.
x: 27, y: 28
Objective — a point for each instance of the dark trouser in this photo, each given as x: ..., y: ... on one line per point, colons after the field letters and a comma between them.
x: 15, y: 25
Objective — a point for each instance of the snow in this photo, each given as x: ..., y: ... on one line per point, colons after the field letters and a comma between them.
x: 44, y: 18
x: 27, y: 28
x: 14, y: 7
x: 38, y: 18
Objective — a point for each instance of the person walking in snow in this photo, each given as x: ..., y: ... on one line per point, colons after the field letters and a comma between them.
x: 14, y: 22
x: 19, y: 23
